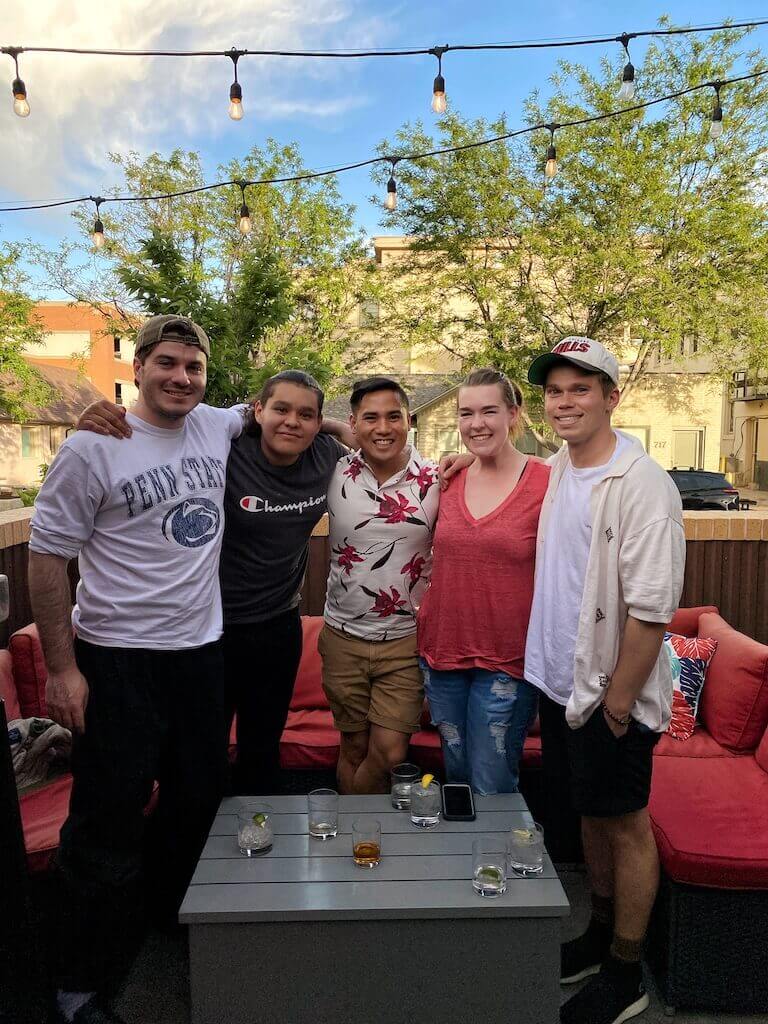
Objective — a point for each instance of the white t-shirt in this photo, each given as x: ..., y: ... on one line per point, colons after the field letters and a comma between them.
x: 554, y: 623
x: 145, y: 516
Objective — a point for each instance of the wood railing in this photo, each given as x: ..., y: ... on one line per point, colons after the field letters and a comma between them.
x: 727, y: 566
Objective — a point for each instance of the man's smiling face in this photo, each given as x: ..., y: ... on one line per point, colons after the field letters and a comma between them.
x: 576, y: 405
x: 380, y: 424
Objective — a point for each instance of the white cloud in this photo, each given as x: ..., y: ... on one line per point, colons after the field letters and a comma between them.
x: 83, y: 107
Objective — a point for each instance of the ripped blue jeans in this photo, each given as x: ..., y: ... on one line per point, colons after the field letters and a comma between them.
x: 483, y: 718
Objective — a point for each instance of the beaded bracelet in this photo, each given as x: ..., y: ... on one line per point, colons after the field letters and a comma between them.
x: 615, y: 718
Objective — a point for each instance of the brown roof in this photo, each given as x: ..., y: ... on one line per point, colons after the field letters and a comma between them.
x: 72, y: 393
x: 422, y: 389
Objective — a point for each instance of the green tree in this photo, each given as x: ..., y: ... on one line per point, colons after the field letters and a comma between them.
x: 21, y: 385
x: 648, y: 226
x: 283, y: 295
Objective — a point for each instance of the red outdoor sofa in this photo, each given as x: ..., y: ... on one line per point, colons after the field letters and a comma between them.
x: 709, y: 807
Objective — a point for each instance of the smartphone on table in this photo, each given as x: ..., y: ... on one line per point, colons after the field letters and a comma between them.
x: 458, y: 802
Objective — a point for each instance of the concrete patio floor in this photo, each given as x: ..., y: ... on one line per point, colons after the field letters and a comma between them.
x: 157, y: 989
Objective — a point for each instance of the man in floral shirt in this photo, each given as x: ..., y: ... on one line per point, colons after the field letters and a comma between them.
x: 382, y: 505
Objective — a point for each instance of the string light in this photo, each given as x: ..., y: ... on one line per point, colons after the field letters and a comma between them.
x: 391, y: 201
x: 439, y: 102
x: 235, y: 90
x: 19, y: 90
x: 716, y: 126
x: 550, y: 168
x: 245, y: 225
x: 627, y: 90
x: 97, y: 235
x: 438, y: 95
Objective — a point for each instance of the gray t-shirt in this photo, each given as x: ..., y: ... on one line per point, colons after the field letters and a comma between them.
x: 270, y: 512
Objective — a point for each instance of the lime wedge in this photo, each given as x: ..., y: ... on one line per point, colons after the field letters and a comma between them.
x: 259, y: 819
x: 491, y: 874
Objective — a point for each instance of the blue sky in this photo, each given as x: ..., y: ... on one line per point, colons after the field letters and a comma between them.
x: 337, y: 111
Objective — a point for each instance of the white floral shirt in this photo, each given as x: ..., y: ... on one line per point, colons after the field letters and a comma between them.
x: 381, y: 546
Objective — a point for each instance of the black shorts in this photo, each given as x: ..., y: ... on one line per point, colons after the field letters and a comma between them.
x: 610, y: 775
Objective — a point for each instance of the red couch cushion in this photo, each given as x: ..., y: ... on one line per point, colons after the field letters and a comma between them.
x: 309, y: 741
x: 700, y: 744
x: 425, y: 750
x: 29, y: 671
x: 686, y: 620
x: 734, y: 701
x: 308, y: 692
x: 711, y: 821
x: 42, y: 814
x: 8, y: 687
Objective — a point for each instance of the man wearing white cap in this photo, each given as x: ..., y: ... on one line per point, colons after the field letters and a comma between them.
x: 609, y: 574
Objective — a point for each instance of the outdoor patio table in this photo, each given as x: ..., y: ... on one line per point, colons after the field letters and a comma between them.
x: 301, y: 934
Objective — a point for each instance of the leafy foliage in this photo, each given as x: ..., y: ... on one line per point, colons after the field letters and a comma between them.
x: 649, y: 235
x: 21, y: 385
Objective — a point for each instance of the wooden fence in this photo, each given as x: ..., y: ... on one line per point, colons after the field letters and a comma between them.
x: 727, y: 566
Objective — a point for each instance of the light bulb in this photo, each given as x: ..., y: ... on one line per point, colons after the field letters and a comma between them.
x: 236, y: 102
x: 20, y: 103
x: 439, y: 102
x: 391, y: 201
x: 245, y: 224
x: 627, y: 90
x: 98, y: 234
x: 550, y: 169
x: 716, y: 127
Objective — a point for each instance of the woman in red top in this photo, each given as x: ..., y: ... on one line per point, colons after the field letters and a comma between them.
x: 474, y: 617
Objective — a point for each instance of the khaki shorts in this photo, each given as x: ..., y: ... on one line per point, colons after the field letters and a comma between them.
x: 371, y: 682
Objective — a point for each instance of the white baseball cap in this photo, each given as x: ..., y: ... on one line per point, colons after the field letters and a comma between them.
x: 585, y: 353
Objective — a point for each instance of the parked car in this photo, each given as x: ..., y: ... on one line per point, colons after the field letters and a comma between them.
x: 703, y: 490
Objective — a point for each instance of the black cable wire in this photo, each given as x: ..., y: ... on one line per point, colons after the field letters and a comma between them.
x: 310, y: 175
x: 406, y: 52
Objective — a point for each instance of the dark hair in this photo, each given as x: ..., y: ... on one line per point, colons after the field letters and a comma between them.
x: 510, y: 392
x: 370, y: 385
x: 300, y: 377
x: 606, y: 383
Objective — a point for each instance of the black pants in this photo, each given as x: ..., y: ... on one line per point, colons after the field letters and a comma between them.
x: 262, y: 659
x: 151, y: 715
x: 562, y: 825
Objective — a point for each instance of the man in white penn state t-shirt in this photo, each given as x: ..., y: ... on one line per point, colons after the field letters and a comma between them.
x: 609, y: 572
x: 141, y: 683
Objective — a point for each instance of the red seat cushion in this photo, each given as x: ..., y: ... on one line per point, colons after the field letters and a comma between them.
x: 8, y: 687
x: 29, y: 671
x: 308, y: 691
x: 700, y: 744
x: 734, y: 701
x: 42, y: 814
x: 531, y: 759
x: 686, y: 620
x: 425, y: 750
x: 711, y: 821
x: 309, y: 741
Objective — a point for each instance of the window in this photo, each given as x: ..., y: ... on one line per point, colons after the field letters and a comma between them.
x: 118, y: 393
x: 369, y: 313
x: 58, y: 435
x: 33, y: 443
x: 116, y: 348
x: 641, y: 433
x: 448, y: 442
x: 730, y: 416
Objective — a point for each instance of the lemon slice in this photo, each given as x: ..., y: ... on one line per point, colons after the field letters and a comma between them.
x: 259, y: 819
x: 425, y: 780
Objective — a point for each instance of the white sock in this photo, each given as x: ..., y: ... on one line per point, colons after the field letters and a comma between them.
x: 70, y: 1002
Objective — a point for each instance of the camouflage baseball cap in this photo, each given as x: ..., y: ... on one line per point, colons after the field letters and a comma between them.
x: 160, y: 328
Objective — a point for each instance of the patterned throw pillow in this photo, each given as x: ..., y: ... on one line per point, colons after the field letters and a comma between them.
x: 690, y: 658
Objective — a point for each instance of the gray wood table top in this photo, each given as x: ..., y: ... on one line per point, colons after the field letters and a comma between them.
x: 423, y: 872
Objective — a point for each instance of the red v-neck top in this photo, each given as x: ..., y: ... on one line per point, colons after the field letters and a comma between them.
x: 476, y: 610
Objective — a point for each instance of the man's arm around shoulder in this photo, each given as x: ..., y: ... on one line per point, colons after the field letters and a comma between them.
x: 66, y: 691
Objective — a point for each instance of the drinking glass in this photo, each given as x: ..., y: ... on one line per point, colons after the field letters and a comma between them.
x: 403, y: 776
x: 489, y: 866
x: 323, y: 808
x: 425, y: 804
x: 254, y: 829
x: 366, y: 843
x: 526, y: 849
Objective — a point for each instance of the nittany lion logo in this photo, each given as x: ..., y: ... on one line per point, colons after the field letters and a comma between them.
x: 192, y: 523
